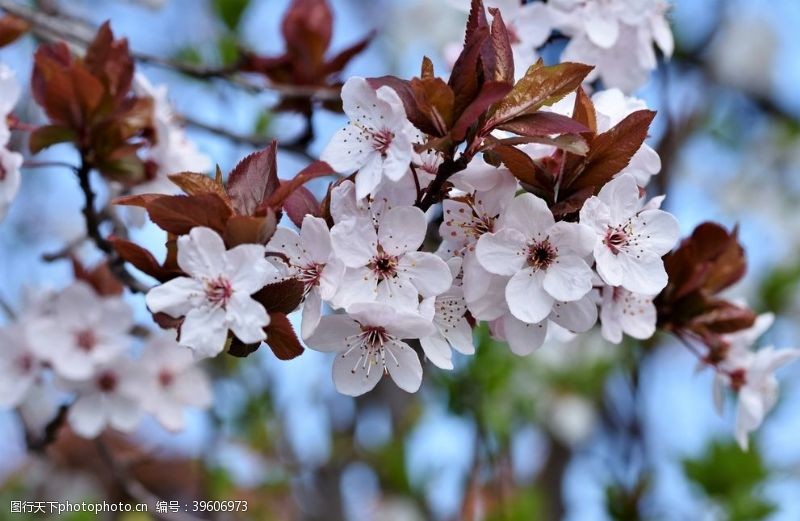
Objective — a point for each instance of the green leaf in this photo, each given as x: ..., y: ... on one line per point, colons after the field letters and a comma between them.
x: 49, y: 135
x: 230, y: 12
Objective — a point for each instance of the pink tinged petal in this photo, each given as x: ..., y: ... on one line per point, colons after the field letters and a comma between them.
x: 639, y: 318
x: 361, y: 104
x: 577, y: 239
x: 358, y: 285
x: 405, y: 324
x: 124, y: 413
x: 402, y: 230
x: 662, y: 34
x: 749, y: 415
x: 528, y: 215
x: 315, y: 238
x: 501, y: 253
x: 287, y: 242
x: 404, y: 367
x: 348, y: 150
x: 777, y: 359
x: 398, y: 157
x: 534, y: 23
x: 429, y: 273
x: 476, y: 280
x: 658, y: 231
x: 645, y: 275
x: 611, y: 329
x: 369, y: 176
x: 201, y: 253
x: 170, y: 415
x: 526, y: 297
x: 355, y: 375
x: 192, y: 388
x: 343, y: 202
x: 602, y: 29
x: 248, y: 269
x: 460, y: 337
x: 398, y: 292
x: 312, y: 311
x: 492, y: 304
x: 175, y: 297
x: 621, y: 194
x: 609, y: 266
x: 88, y: 415
x: 330, y: 278
x: 355, y: 242
x: 437, y: 350
x: 247, y: 318
x: 569, y: 278
x: 578, y: 316
x: 205, y: 331
x: 523, y: 338
x: 718, y: 392
x: 332, y: 332
x: 391, y: 108
x: 596, y: 214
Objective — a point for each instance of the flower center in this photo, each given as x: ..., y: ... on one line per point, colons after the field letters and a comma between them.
x: 541, y: 255
x: 219, y: 291
x: 25, y: 363
x: 85, y: 340
x: 107, y: 382
x: 381, y: 140
x: 616, y: 238
x: 372, y: 341
x: 384, y: 266
x: 310, y: 275
x: 165, y: 378
x: 738, y: 379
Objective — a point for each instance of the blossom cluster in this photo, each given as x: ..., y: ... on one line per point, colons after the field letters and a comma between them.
x: 10, y: 162
x: 75, y: 346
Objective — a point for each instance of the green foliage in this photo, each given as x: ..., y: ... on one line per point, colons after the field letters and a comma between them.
x: 525, y: 505
x: 732, y: 478
x: 779, y: 287
x: 230, y: 12
x: 228, y: 50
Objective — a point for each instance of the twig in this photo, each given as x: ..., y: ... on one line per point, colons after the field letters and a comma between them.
x: 57, y: 26
x: 50, y: 431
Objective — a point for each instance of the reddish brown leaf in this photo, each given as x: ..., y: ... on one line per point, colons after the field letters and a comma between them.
x: 49, y: 135
x: 307, y: 28
x: 312, y: 171
x: 254, y: 180
x: 281, y: 337
x: 178, y: 214
x: 142, y: 259
x: 499, y: 48
x: 241, y: 350
x: 99, y: 277
x: 140, y: 200
x: 583, y: 111
x: 543, y: 124
x: 540, y: 86
x: 11, y: 28
x: 489, y: 94
x: 195, y: 184
x: 300, y: 203
x: 281, y: 297
x: 248, y: 229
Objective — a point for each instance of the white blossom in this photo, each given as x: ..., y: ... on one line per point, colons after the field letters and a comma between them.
x: 215, y: 297
x: 312, y: 261
x: 377, y: 142
x: 81, y: 332
x: 111, y: 398
x: 383, y: 263
x: 10, y: 162
x: 170, y: 381
x: 632, y: 237
x: 544, y: 258
x: 368, y: 341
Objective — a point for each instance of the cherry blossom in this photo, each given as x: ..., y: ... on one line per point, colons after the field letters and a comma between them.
x: 622, y: 311
x: 215, y: 297
x: 544, y: 258
x: 109, y: 399
x: 377, y: 142
x: 368, y: 342
x: 311, y: 260
x: 616, y: 36
x: 10, y: 91
x: 447, y: 312
x: 632, y: 237
x: 19, y: 368
x: 10, y: 162
x: 383, y: 264
x: 171, y: 381
x: 82, y: 331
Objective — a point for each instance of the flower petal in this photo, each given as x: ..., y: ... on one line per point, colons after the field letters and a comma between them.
x: 437, y: 350
x: 247, y: 318
x: 429, y: 273
x: 353, y: 374
x: 569, y: 278
x: 523, y: 338
x: 332, y: 332
x: 526, y: 297
x: 402, y: 230
x: 404, y: 367
x: 205, y: 331
x: 201, y: 253
x: 175, y: 297
x: 502, y: 253
x: 527, y: 214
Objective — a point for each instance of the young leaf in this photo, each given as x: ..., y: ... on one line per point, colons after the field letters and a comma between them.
x: 543, y: 124
x: 195, y: 184
x: 178, y: 214
x: 254, y: 180
x: 281, y: 337
x: 300, y: 203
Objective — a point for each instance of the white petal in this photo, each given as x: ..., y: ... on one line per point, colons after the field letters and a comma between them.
x: 438, y: 351
x: 578, y: 316
x: 460, y: 337
x: 622, y: 197
x: 658, y: 231
x: 175, y: 297
x: 404, y: 367
x: 402, y: 230
x: 348, y: 150
x: 287, y: 242
x: 602, y: 30
x: 527, y: 214
x: 609, y: 266
x: 125, y: 413
x: 644, y: 275
x: 398, y: 157
x: 205, y: 331
x: 569, y: 278
x: 502, y: 253
x: 248, y: 269
x: 353, y: 375
x: 332, y: 332
x: 201, y: 253
x: 87, y: 416
x: 527, y: 299
x: 523, y: 338
x: 247, y: 318
x: 354, y: 241
x: 574, y: 238
x: 429, y: 273
x: 315, y: 238
x: 369, y: 176
x: 358, y: 285
x: 312, y: 311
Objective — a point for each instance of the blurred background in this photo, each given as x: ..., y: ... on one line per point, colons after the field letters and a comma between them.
x: 581, y: 430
